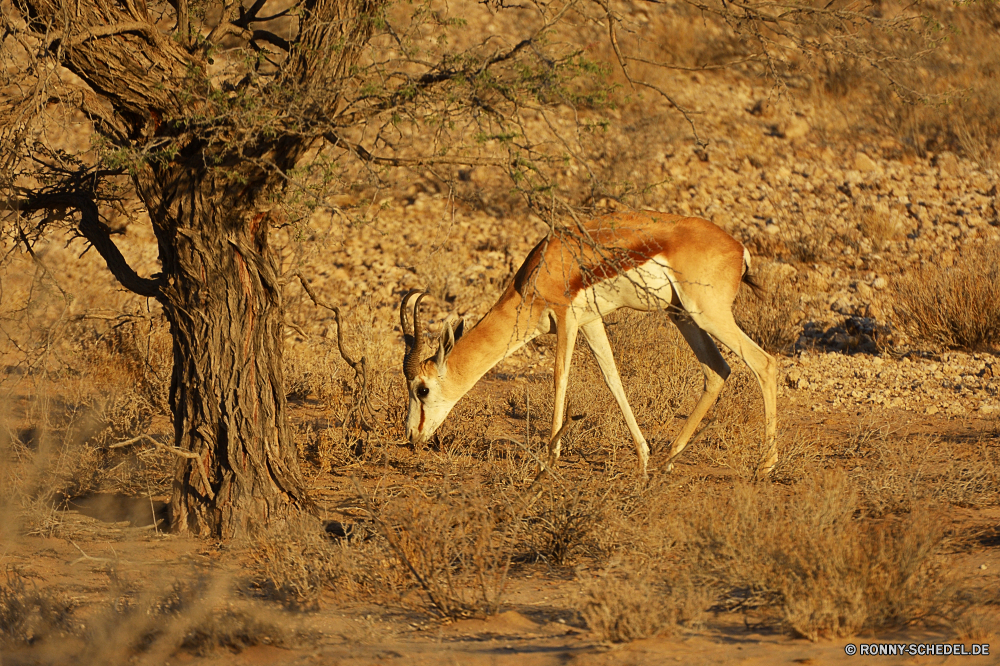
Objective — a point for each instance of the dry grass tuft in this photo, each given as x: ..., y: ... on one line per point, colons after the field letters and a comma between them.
x: 195, y: 616
x: 297, y: 563
x: 767, y: 317
x: 626, y: 606
x: 880, y: 225
x: 956, y: 307
x: 566, y: 519
x: 978, y: 627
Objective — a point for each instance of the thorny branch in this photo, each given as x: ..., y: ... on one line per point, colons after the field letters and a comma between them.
x: 362, y: 390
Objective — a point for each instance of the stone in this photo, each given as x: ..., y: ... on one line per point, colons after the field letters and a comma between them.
x: 865, y: 164
x: 796, y: 128
x: 947, y: 162
x: 793, y: 377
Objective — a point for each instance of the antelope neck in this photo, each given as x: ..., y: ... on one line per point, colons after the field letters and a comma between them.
x: 499, y: 334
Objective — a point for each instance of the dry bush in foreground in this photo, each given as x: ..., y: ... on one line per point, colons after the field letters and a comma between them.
x: 195, y: 615
x: 974, y: 626
x: 735, y: 437
x: 567, y: 518
x: 904, y: 472
x: 808, y: 563
x: 622, y: 610
x: 953, y: 306
x: 29, y: 614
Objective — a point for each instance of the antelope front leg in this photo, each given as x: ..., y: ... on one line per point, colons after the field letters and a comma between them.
x: 597, y: 337
x: 565, y: 341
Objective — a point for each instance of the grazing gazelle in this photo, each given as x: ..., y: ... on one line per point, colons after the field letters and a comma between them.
x: 644, y: 261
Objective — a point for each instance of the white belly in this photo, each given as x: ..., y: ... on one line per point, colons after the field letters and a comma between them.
x: 646, y: 287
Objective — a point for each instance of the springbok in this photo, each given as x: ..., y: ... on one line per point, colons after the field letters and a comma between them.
x: 644, y: 261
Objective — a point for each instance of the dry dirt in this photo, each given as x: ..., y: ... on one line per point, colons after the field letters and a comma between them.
x: 836, y: 214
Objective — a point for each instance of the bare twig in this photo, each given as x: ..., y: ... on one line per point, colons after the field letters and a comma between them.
x: 88, y: 558
x: 190, y: 455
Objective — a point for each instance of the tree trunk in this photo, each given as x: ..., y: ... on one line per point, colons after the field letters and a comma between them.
x: 222, y: 296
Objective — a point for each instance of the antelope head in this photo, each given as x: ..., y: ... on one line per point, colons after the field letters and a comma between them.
x: 427, y: 380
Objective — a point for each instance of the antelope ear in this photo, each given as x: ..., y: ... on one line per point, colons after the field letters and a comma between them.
x: 445, y: 345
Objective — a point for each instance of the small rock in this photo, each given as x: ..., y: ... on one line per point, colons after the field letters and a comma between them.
x: 841, y: 305
x: 880, y: 283
x: 772, y: 229
x: 796, y: 128
x: 987, y: 409
x: 947, y: 162
x: 864, y: 163
x: 931, y: 410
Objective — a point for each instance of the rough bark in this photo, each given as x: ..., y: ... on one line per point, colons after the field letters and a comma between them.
x: 221, y: 294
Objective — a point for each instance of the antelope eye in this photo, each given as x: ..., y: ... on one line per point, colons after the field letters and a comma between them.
x: 423, y: 391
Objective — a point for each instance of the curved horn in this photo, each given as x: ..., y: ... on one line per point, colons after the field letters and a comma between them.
x: 407, y: 334
x: 411, y: 360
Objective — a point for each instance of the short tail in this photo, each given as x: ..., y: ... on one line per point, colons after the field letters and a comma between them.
x: 748, y: 279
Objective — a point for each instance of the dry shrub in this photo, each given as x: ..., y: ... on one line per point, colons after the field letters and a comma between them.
x: 880, y: 224
x: 29, y: 614
x: 660, y: 373
x: 767, y: 316
x: 809, y: 563
x: 64, y: 435
x: 297, y: 562
x: 957, y: 306
x: 735, y: 434
x: 620, y: 610
x: 626, y: 607
x: 809, y: 246
x: 936, y: 100
x: 970, y: 480
x: 60, y: 460
x: 966, y: 122
x: 976, y: 626
x: 904, y: 472
x: 567, y: 518
x: 365, y: 404
x: 454, y: 544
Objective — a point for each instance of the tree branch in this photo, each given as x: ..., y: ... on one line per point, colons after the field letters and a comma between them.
x: 102, y: 31
x: 99, y: 236
x: 368, y: 156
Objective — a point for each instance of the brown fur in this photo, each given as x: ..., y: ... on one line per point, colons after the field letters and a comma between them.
x: 560, y: 266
